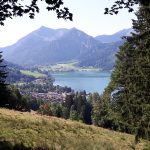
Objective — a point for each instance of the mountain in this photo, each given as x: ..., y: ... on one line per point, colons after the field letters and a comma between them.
x: 34, y: 47
x: 46, y: 46
x: 114, y: 37
x: 103, y: 58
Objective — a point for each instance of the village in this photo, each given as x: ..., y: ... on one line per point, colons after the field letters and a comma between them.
x: 53, y: 97
x: 43, y: 89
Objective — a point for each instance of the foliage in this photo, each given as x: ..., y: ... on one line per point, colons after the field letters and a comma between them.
x: 41, y: 85
x: 129, y: 4
x: 128, y: 92
x: 14, y: 100
x: 15, y: 75
x: 3, y: 76
x: 10, y: 97
x: 75, y: 107
x: 95, y: 100
x: 11, y: 9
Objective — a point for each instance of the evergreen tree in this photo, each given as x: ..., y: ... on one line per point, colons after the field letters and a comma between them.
x: 140, y: 79
x: 128, y: 93
x: 3, y: 76
x: 73, y: 113
x: 67, y: 106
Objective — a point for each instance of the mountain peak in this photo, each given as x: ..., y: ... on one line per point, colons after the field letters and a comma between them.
x: 46, y: 46
x: 114, y: 37
x: 73, y: 28
x: 79, y: 33
x: 43, y: 27
x: 124, y: 32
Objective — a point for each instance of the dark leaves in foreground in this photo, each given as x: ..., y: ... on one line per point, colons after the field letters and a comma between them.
x: 120, y: 4
x: 10, y: 9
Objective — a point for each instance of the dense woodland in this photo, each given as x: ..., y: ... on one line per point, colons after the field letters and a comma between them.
x: 125, y: 104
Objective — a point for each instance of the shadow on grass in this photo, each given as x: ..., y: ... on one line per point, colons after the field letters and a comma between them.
x: 6, y: 145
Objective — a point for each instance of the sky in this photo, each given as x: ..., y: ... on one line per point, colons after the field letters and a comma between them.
x: 88, y: 16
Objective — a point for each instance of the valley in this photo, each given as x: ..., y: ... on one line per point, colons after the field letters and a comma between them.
x: 78, y: 82
x: 66, y: 73
x: 70, y: 58
x: 89, y: 79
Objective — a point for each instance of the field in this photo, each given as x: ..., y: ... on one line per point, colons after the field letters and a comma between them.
x: 32, y: 131
x: 34, y: 74
x: 67, y: 67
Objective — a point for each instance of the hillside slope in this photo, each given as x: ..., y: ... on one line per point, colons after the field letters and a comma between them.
x: 41, y: 132
x: 46, y: 46
x: 15, y: 75
x: 114, y: 37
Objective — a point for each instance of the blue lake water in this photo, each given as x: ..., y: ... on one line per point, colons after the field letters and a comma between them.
x: 89, y: 81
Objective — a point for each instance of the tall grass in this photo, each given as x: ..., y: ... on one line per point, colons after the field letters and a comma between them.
x: 37, y: 132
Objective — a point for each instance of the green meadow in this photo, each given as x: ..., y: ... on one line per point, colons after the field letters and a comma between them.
x: 67, y: 67
x: 31, y: 73
x: 36, y: 132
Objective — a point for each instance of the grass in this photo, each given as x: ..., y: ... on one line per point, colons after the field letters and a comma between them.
x: 67, y: 67
x: 34, y: 74
x: 33, y: 131
x: 19, y: 83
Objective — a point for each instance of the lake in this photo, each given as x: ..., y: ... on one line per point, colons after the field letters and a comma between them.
x: 89, y: 80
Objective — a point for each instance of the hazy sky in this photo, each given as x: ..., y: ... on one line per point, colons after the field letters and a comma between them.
x: 88, y: 17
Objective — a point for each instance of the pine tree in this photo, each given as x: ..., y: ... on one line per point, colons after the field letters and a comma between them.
x: 141, y: 81
x: 129, y: 89
x: 3, y: 75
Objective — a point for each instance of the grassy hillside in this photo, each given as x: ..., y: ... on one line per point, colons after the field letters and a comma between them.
x: 41, y: 132
x: 34, y: 74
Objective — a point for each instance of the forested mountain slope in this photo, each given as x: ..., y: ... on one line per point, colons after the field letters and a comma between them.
x: 114, y: 37
x: 47, y: 46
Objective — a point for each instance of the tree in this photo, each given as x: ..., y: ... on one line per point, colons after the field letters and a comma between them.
x: 3, y: 76
x: 10, y: 9
x: 102, y: 114
x: 73, y: 114
x: 94, y: 99
x: 129, y: 89
x: 56, y: 110
x: 67, y: 106
x: 141, y: 73
x: 120, y: 4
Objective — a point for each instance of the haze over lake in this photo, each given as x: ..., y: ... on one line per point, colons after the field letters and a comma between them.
x: 89, y: 80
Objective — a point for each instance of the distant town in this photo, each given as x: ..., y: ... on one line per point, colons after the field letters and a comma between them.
x: 50, y: 96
